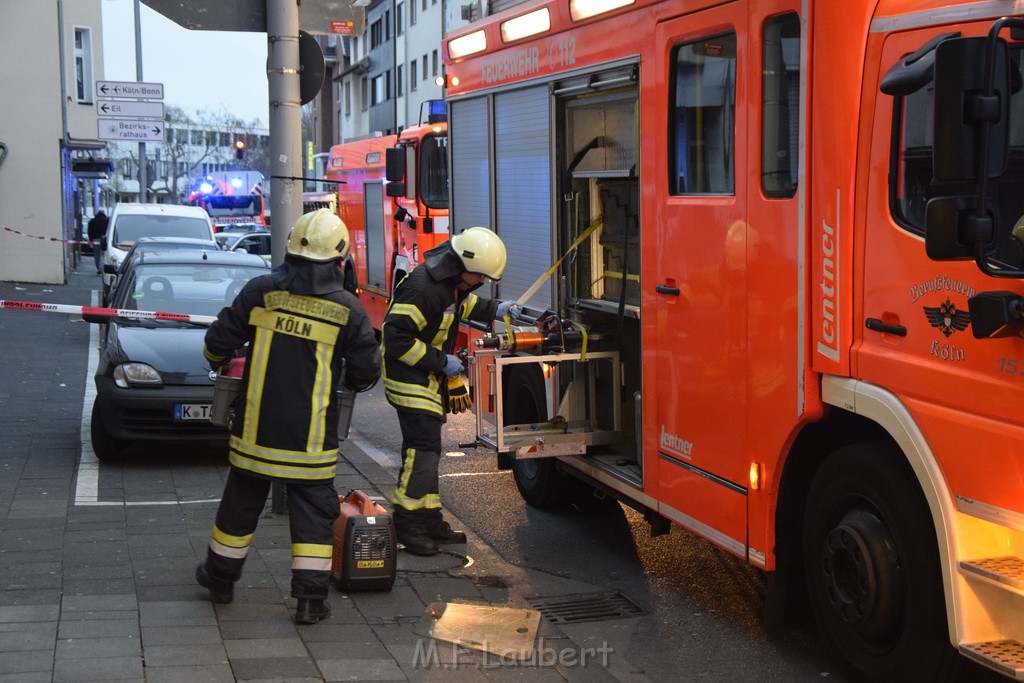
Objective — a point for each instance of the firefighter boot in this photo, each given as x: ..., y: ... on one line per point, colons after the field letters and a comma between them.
x: 443, y: 533
x: 416, y: 539
x: 312, y: 610
x: 220, y: 591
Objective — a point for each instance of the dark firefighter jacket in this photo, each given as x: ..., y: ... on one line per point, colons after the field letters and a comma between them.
x: 420, y: 328
x: 303, y: 330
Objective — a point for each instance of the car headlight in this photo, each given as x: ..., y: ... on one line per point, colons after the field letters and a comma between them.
x: 128, y: 374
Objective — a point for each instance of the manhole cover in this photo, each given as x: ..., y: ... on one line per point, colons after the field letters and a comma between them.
x: 583, y: 607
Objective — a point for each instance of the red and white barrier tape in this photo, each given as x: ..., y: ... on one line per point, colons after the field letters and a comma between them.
x: 106, y: 312
x: 50, y: 239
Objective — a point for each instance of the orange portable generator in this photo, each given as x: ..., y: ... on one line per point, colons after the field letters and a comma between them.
x: 365, y: 545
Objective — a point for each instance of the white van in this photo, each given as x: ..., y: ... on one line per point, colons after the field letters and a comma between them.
x: 129, y: 222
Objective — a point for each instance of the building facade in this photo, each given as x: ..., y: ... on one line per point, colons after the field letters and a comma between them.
x: 50, y: 157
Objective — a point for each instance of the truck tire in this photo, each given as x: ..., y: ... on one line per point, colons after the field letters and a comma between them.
x: 105, y: 446
x: 872, y: 567
x: 538, y: 479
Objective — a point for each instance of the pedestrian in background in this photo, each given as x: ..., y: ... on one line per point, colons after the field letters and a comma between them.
x: 303, y: 331
x: 422, y: 376
x: 97, y: 229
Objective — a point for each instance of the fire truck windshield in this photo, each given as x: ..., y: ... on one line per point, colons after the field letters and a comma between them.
x: 237, y: 205
x: 434, y: 171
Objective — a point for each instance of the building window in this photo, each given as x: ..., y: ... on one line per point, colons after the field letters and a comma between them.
x: 376, y: 37
x: 169, y: 135
x: 197, y: 137
x: 399, y: 80
x: 83, y: 64
x: 348, y: 98
x: 399, y: 18
x: 364, y: 92
x: 412, y: 12
x: 377, y: 90
x: 387, y: 25
x: 387, y: 84
x: 433, y: 62
x: 412, y: 75
x: 424, y: 67
x: 424, y: 5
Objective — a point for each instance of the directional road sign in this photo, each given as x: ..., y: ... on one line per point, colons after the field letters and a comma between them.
x: 140, y: 130
x: 127, y: 109
x: 130, y: 89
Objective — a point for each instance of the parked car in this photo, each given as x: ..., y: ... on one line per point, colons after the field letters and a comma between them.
x: 155, y: 244
x: 252, y: 242
x: 152, y: 381
x: 129, y: 222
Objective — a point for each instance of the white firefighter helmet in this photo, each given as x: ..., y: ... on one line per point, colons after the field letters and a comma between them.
x: 319, y: 236
x: 481, y: 251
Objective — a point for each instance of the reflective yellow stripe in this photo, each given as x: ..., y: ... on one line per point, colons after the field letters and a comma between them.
x: 294, y: 325
x: 322, y: 387
x: 320, y: 457
x: 312, y: 550
x: 315, y: 564
x: 229, y: 540
x: 429, y: 391
x: 283, y: 471
x: 415, y: 353
x: 469, y: 304
x: 228, y: 551
x: 212, y: 357
x: 431, y: 501
x: 412, y: 311
x: 442, y: 332
x: 257, y: 379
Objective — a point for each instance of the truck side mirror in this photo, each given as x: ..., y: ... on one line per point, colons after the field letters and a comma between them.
x: 394, y: 160
x: 970, y: 126
x: 394, y: 189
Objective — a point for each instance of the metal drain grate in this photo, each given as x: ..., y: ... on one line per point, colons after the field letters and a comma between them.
x: 583, y: 607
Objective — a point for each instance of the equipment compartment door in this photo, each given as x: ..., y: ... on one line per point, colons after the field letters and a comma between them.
x: 694, y: 273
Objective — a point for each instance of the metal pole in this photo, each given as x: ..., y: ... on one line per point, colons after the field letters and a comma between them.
x: 143, y: 181
x: 285, y: 121
x: 285, y: 141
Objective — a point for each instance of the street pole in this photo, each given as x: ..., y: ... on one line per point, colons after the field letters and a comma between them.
x: 285, y: 141
x: 285, y: 121
x: 143, y: 181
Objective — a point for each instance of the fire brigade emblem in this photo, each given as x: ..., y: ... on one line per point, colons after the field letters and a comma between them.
x: 947, y: 318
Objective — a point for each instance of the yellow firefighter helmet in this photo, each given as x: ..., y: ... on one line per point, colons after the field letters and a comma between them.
x: 481, y: 251
x: 319, y: 236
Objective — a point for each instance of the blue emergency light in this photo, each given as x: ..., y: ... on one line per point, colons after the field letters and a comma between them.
x: 437, y: 111
x: 236, y: 183
x: 206, y: 188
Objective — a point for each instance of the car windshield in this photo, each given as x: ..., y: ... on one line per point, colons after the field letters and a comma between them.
x: 193, y: 289
x: 129, y: 228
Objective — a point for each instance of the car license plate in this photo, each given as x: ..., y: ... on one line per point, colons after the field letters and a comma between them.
x: 192, y: 411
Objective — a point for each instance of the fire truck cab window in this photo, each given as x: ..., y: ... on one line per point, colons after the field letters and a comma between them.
x: 780, y: 107
x: 434, y: 171
x: 912, y: 168
x: 702, y: 116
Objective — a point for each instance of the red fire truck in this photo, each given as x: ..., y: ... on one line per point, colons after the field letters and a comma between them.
x: 234, y: 199
x: 786, y: 305
x: 393, y: 197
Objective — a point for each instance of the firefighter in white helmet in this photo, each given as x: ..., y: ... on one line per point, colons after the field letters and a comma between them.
x: 305, y: 334
x: 422, y: 376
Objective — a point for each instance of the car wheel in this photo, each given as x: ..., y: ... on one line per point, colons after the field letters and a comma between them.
x: 872, y: 567
x: 105, y: 446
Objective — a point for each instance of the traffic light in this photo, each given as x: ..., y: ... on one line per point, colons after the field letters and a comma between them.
x: 239, y: 149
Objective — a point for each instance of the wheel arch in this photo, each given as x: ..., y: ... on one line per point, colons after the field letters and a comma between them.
x: 865, y: 412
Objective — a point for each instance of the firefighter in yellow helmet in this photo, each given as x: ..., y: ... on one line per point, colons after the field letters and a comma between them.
x: 422, y: 377
x: 305, y: 333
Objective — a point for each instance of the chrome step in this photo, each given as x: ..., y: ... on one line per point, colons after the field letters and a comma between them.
x: 1005, y: 656
x: 1004, y: 570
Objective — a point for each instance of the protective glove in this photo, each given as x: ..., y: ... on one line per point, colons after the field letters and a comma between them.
x: 458, y: 395
x: 510, y: 308
x: 453, y: 367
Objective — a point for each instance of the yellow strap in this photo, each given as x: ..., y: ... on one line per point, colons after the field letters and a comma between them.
x: 528, y: 294
x: 583, y: 346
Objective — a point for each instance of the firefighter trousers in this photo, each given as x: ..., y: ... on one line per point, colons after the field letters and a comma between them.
x: 416, y: 499
x: 312, y: 509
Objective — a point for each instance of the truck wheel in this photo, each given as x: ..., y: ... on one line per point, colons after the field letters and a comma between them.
x: 872, y: 567
x: 105, y: 446
x: 538, y: 480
